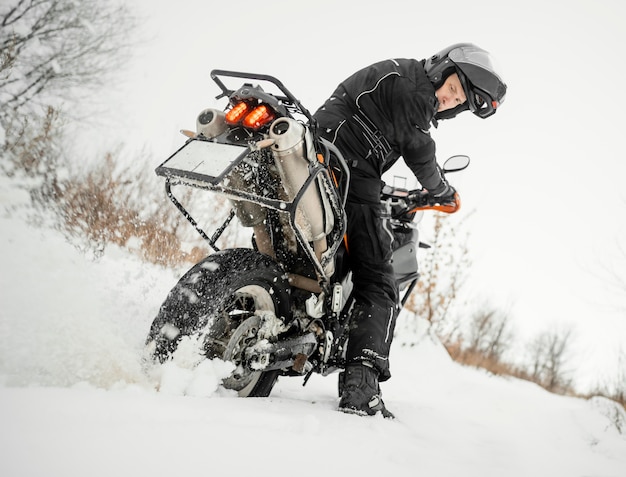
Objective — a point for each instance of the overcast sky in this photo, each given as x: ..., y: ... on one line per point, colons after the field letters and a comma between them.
x: 547, y: 170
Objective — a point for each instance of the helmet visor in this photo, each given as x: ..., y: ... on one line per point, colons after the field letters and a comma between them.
x: 481, y: 103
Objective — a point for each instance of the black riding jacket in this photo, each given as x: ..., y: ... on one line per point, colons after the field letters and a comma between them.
x: 383, y: 112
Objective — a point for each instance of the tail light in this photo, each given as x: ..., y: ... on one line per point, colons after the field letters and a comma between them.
x: 258, y: 117
x: 237, y: 113
x: 253, y: 117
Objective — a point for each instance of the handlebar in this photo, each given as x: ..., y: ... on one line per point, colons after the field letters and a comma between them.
x: 405, y: 203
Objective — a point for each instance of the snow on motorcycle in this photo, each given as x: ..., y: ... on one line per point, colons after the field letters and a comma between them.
x: 279, y: 307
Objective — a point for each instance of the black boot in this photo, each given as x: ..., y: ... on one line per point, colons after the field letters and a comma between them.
x: 360, y: 391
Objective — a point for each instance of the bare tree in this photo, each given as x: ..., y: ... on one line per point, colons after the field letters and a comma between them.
x: 52, y: 54
x: 489, y: 333
x: 549, y: 353
x: 443, y: 269
x: 52, y: 50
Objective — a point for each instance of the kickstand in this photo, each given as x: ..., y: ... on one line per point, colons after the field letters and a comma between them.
x: 307, y: 377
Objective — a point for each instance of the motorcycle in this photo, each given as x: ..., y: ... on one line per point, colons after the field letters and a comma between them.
x: 278, y: 308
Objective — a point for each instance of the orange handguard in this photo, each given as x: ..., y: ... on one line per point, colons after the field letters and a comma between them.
x: 448, y: 208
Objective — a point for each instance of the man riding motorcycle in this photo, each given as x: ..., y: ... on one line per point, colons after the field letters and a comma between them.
x: 378, y: 114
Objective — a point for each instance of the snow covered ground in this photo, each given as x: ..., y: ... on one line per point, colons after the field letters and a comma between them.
x: 75, y: 402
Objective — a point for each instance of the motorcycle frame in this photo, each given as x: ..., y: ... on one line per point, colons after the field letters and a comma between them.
x: 292, y: 106
x: 175, y: 176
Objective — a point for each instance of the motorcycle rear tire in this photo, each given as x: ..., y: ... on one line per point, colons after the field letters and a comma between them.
x: 214, y: 300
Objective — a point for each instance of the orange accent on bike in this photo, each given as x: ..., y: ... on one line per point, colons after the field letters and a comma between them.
x: 260, y: 116
x: 237, y: 113
x: 320, y: 159
x: 449, y: 208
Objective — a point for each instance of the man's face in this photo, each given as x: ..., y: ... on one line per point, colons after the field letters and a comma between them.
x: 451, y: 93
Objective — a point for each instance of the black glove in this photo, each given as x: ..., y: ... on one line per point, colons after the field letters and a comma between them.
x: 448, y: 199
x: 445, y: 197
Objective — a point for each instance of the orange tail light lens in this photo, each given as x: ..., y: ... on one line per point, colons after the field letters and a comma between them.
x: 260, y: 116
x: 237, y: 113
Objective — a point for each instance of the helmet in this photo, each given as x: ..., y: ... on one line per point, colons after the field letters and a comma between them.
x: 484, y: 88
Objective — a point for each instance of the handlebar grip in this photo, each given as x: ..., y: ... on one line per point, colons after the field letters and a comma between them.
x: 417, y: 198
x: 426, y: 201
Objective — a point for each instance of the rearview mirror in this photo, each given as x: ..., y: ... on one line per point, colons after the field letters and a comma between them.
x: 456, y: 163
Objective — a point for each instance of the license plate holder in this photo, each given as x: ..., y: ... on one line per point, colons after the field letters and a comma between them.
x: 202, y: 160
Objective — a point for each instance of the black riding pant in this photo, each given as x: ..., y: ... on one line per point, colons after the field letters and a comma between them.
x: 374, y: 305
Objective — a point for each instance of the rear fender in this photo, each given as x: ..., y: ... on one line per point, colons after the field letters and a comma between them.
x: 232, y: 266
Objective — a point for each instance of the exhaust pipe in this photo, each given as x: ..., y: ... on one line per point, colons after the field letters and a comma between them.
x: 293, y: 151
x: 211, y: 123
